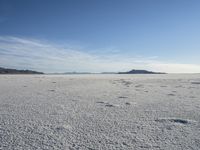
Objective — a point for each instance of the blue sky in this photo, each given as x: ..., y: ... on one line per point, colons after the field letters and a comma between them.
x: 100, y: 35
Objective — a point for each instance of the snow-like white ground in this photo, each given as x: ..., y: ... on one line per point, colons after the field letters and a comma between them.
x: 100, y: 112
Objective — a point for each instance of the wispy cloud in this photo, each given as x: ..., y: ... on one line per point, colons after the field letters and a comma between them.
x: 24, y: 53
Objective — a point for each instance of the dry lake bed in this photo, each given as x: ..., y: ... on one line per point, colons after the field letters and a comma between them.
x: 92, y: 112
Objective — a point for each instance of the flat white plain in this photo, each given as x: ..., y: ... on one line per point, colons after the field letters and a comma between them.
x: 100, y: 111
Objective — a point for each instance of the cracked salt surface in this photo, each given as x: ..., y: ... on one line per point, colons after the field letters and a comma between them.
x: 99, y: 112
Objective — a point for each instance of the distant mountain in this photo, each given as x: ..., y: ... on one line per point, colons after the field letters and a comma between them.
x: 15, y: 71
x: 140, y: 72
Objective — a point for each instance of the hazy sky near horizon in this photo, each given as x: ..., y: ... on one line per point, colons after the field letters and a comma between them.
x: 100, y: 35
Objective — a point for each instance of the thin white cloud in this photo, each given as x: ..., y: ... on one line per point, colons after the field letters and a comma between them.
x: 23, y: 53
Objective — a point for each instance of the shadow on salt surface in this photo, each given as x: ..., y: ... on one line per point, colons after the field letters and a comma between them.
x: 51, y: 90
x: 100, y: 102
x: 139, y: 86
x: 163, y: 86
x: 106, y: 104
x: 111, y: 105
x: 63, y: 128
x: 171, y: 94
x: 175, y: 120
x: 123, y: 82
x: 178, y: 86
x: 122, y: 97
x: 195, y: 83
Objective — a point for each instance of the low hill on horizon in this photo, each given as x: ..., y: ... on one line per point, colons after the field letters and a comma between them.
x: 134, y: 71
x: 15, y: 71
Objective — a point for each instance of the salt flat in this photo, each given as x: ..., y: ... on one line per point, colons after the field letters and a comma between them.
x: 100, y: 112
